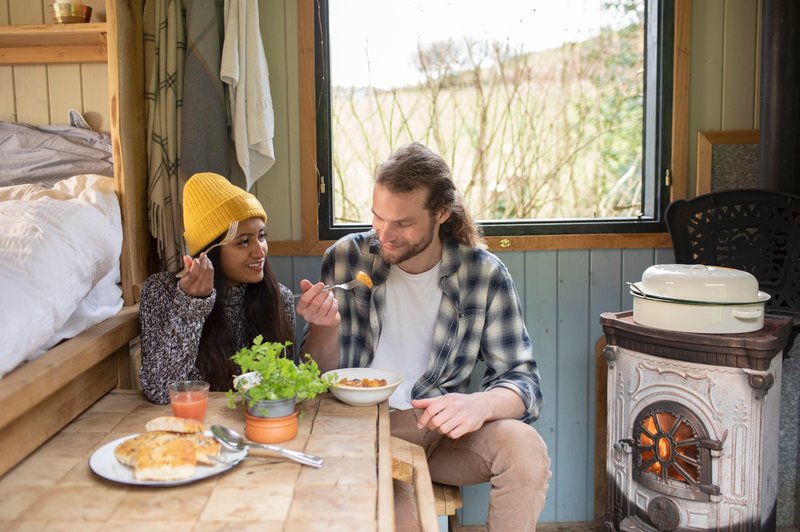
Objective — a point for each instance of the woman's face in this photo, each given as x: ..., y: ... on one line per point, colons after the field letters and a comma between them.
x: 243, y: 260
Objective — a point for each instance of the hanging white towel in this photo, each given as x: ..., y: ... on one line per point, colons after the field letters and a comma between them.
x: 244, y: 70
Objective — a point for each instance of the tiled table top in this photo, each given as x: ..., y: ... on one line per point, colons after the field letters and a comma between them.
x: 54, y: 488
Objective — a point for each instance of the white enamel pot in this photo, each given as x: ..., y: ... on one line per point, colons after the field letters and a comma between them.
x: 699, y: 299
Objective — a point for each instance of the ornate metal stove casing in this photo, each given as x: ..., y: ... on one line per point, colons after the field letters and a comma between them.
x: 692, y: 427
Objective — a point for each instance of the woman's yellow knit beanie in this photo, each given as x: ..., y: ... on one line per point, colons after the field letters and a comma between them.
x: 210, y: 204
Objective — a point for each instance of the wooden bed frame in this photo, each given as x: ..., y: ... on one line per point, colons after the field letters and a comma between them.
x: 41, y: 397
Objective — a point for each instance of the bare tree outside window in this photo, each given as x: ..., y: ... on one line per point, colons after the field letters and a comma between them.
x: 547, y: 131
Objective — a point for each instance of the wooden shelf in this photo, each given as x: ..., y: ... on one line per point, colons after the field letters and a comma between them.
x: 53, y: 43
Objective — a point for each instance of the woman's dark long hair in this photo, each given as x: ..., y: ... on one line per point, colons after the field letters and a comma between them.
x: 264, y: 315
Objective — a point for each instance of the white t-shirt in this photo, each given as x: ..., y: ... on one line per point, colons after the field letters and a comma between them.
x: 412, y: 305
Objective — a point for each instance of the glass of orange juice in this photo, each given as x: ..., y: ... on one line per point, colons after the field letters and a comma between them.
x: 189, y: 399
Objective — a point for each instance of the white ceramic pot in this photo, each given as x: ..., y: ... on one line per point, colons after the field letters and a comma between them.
x: 698, y: 298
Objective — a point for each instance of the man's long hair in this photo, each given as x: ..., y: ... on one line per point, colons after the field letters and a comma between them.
x: 415, y: 166
x: 263, y: 314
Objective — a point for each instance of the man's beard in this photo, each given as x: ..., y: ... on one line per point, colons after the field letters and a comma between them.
x: 412, y: 251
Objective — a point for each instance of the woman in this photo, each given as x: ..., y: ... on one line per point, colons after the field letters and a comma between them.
x: 191, y: 326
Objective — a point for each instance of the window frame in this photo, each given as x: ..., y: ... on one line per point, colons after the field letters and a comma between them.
x: 499, y: 235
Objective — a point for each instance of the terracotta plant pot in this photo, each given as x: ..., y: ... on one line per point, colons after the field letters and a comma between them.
x: 271, y: 429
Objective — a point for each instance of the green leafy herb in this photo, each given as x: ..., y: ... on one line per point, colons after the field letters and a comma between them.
x: 281, y: 378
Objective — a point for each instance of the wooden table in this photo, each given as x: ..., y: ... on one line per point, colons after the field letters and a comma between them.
x: 54, y: 487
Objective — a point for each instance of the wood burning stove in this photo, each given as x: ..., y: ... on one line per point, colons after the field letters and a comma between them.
x: 692, y: 427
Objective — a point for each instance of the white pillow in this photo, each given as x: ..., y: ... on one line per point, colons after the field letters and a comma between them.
x: 59, y: 263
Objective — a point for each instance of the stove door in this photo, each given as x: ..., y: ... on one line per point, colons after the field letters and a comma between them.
x: 671, y: 452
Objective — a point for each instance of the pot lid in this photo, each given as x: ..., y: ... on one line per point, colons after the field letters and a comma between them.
x: 700, y: 283
x: 636, y: 291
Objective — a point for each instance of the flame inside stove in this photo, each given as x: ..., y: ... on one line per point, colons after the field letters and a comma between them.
x: 669, y: 448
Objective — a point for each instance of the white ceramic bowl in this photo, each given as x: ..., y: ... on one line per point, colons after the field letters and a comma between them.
x: 363, y: 396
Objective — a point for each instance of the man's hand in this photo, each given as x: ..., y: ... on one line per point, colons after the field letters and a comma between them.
x: 321, y: 311
x: 456, y: 414
x: 199, y: 280
x: 318, y: 306
x: 452, y: 414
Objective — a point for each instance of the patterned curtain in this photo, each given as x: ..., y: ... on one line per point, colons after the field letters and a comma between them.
x: 164, y: 49
x: 204, y: 121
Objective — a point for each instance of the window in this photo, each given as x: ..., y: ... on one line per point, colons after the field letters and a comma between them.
x: 555, y: 117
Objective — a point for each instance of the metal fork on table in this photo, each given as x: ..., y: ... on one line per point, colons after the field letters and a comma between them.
x: 230, y: 236
x: 344, y: 286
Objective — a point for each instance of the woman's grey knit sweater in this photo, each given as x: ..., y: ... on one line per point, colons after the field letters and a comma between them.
x: 172, y: 322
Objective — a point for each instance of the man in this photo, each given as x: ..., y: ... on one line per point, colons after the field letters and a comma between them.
x: 440, y: 303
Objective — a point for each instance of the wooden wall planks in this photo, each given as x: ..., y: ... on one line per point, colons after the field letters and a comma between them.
x: 724, y: 80
x: 42, y: 94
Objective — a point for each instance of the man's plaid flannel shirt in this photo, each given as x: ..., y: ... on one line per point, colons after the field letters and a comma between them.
x: 480, y: 318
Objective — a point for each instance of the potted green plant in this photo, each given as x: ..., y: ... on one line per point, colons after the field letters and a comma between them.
x: 270, y: 386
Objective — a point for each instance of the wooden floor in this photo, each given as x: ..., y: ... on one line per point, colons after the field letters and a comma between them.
x: 569, y: 527
x: 544, y: 527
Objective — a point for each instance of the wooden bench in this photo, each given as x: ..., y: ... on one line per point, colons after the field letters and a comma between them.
x: 436, y: 503
x: 448, y: 500
x: 42, y: 396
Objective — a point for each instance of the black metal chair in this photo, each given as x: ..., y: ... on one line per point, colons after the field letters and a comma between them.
x: 757, y: 231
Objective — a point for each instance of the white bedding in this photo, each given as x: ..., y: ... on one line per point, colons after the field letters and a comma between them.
x: 59, y: 263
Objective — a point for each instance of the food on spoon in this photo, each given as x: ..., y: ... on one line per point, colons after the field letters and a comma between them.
x: 364, y: 279
x: 175, y: 424
x: 362, y: 383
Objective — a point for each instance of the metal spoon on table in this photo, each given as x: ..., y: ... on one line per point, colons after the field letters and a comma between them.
x: 236, y: 442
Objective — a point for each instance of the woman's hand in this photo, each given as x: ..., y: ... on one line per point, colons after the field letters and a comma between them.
x: 318, y: 306
x: 199, y: 280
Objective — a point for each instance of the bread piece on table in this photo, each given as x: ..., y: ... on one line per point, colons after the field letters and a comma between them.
x: 171, y: 460
x: 175, y: 424
x: 205, y: 447
x: 127, y: 451
x: 170, y: 450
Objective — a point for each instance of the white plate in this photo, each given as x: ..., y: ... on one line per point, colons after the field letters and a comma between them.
x: 105, y: 464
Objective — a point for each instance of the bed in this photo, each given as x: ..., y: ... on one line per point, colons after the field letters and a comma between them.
x: 87, y: 349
